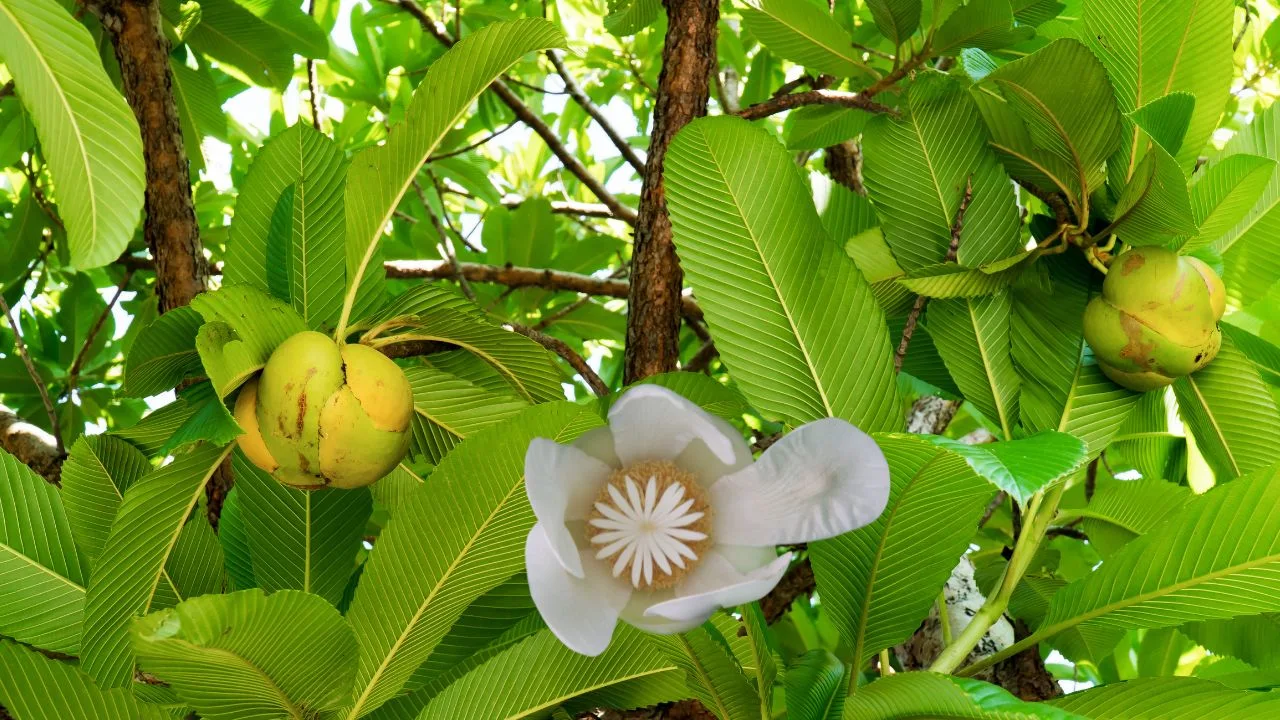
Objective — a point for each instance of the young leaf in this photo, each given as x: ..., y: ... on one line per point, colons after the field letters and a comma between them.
x: 1155, y: 206
x: 459, y: 536
x: 1222, y: 195
x: 88, y: 134
x: 35, y: 687
x: 879, y: 580
x: 384, y: 172
x: 42, y: 595
x: 163, y: 354
x: 747, y: 232
x: 711, y: 671
x: 1231, y: 413
x: 917, y: 169
x: 972, y: 336
x: 801, y: 32
x: 1023, y: 467
x: 242, y: 327
x: 127, y: 574
x: 303, y: 540
x: 816, y: 687
x: 1166, y: 119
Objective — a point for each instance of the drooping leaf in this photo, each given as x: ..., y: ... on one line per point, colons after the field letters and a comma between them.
x: 459, y: 536
x: 972, y: 336
x: 879, y: 580
x: 1223, y: 194
x: 35, y: 687
x: 801, y: 32
x: 88, y: 134
x: 383, y: 173
x: 163, y: 354
x: 711, y: 671
x: 128, y: 572
x: 747, y: 232
x: 242, y: 327
x: 1231, y: 413
x: 301, y: 540
x: 1026, y: 466
x: 917, y: 169
x: 42, y: 592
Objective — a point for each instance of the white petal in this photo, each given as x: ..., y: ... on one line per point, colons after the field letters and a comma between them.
x: 650, y: 422
x: 716, y: 584
x: 634, y: 614
x: 582, y: 612
x: 823, y: 479
x: 598, y: 443
x: 698, y: 459
x: 561, y: 481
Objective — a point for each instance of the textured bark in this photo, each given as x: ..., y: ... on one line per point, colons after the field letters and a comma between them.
x: 33, y: 447
x: 653, y: 309
x: 171, y: 230
x: 844, y: 164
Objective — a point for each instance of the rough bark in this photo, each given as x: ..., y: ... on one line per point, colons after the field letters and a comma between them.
x: 171, y: 230
x: 33, y: 447
x: 653, y: 316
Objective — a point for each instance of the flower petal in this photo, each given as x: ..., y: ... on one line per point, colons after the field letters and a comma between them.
x: 823, y: 479
x: 561, y: 482
x: 650, y: 422
x: 634, y: 614
x: 582, y: 612
x: 598, y: 443
x: 716, y: 584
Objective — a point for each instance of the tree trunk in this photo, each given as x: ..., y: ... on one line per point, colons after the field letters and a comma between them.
x: 653, y: 310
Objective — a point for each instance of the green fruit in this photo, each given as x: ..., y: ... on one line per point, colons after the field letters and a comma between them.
x: 324, y: 415
x: 1156, y: 319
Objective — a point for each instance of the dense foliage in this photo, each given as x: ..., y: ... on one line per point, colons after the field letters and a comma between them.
x: 895, y: 212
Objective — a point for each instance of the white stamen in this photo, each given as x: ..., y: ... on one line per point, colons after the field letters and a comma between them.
x: 645, y: 527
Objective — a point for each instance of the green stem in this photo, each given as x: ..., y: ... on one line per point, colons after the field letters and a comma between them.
x: 944, y: 618
x: 1039, y: 513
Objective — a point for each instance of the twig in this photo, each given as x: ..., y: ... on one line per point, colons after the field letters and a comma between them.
x: 913, y: 318
x: 38, y: 195
x: 581, y: 98
x: 35, y: 376
x: 872, y: 51
x: 1244, y: 27
x: 446, y: 244
x: 992, y: 506
x: 474, y: 145
x: 701, y: 360
x: 562, y: 313
x: 822, y: 82
x: 575, y: 360
x: 775, y: 105
x: 73, y: 374
x: 1064, y: 531
x: 535, y: 88
x: 312, y: 84
x: 528, y: 117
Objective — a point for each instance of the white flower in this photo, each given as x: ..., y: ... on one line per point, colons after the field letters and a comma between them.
x: 662, y: 517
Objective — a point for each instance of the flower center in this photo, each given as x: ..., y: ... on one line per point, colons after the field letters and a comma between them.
x: 651, y: 518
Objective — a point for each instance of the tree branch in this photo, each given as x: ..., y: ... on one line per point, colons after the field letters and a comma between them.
x: 775, y: 105
x: 33, y: 447
x: 73, y: 373
x: 35, y: 376
x: 575, y: 92
x: 528, y: 117
x: 558, y: 347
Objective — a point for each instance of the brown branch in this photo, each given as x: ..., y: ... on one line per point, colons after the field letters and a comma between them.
x: 575, y: 92
x: 701, y: 360
x: 73, y: 373
x: 843, y: 163
x: 528, y: 117
x: 33, y: 447
x: 558, y: 347
x: 822, y: 82
x: 918, y: 306
x: 1054, y: 201
x: 653, y: 310
x: 562, y: 313
x: 781, y: 103
x: 21, y: 345
x: 992, y: 506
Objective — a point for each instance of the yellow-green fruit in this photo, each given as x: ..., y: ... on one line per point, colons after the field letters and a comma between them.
x: 1156, y: 319
x: 326, y: 416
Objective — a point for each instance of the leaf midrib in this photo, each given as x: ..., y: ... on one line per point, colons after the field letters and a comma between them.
x: 286, y: 702
x: 996, y: 394
x: 6, y: 548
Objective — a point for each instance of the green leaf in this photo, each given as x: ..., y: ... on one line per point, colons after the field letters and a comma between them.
x: 916, y: 172
x: 1145, y: 443
x: 628, y: 17
x: 157, y: 429
x: 42, y: 595
x: 316, y: 167
x: 541, y: 673
x: 711, y: 672
x: 88, y: 134
x: 1155, y: 206
x: 950, y: 280
x: 879, y: 580
x: 459, y: 536
x: 818, y: 126
x: 1023, y: 467
x: 1123, y: 510
x: 303, y: 34
x: 972, y: 336
x: 247, y: 654
x: 35, y: 687
x: 234, y: 537
x: 238, y: 40
x: 896, y: 19
x: 1254, y: 639
x: 1264, y: 355
x: 1155, y: 47
x: 127, y: 574
x: 1231, y: 413
x: 762, y: 654
x: 816, y: 687
x: 279, y: 256
x: 301, y: 540
x: 1221, y: 569
x: 95, y: 476
x: 747, y: 232
x: 443, y: 315
x: 922, y: 695
x: 22, y: 239
x: 383, y: 173
x: 242, y: 327
x: 1222, y: 195
x: 1168, y: 698
x: 1051, y: 133
x: 199, y: 111
x: 1166, y: 119
x: 983, y: 24
x: 163, y: 354
x: 450, y: 409
x: 706, y: 392
x: 799, y: 31
x: 209, y: 420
